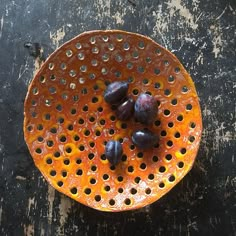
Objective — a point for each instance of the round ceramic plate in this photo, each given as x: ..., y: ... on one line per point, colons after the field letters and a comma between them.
x: 67, y: 122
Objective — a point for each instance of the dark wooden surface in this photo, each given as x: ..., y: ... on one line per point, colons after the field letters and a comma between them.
x: 202, y: 35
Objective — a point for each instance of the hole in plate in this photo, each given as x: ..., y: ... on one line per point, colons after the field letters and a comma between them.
x: 111, y: 47
x: 157, y: 85
x: 177, y: 135
x: 171, y: 79
x: 180, y: 117
x: 105, y: 176
x: 60, y: 120
x: 191, y: 139
x: 69, y: 53
x: 40, y: 139
x: 92, y: 181
x: 151, y: 176
x: 161, y: 185
x: 126, y: 46
x: 180, y: 164
x: 166, y: 112
x: 66, y: 162
x: 127, y: 201
x: 53, y: 172
x: 38, y: 150
x: 107, y: 188
x: 184, y: 89
x: 85, y: 108
x: 171, y: 178
x: 133, y: 191
x: 91, y: 144
x: 60, y: 183
x: 143, y: 166
x: 93, y: 168
x: 97, y: 198
x: 189, y: 107
x: 174, y: 101
x: 148, y: 191
x: 90, y: 156
x: 124, y: 158
x: 64, y: 173
x: 120, y: 190
x: 120, y: 178
x: 73, y: 190
x: 183, y: 151
x: 155, y: 158
x: 103, y: 157
x: 49, y: 161
x: 70, y: 127
x: 157, y: 71
x: 162, y: 169
x: 167, y: 92
x: 92, y: 40
x: 137, y: 179
x: 78, y: 161
x: 87, y: 191
x: 168, y: 157
x: 139, y: 154
x: 57, y: 154
x: 102, y: 122
x: 50, y: 143
x: 163, y: 133
x: 86, y: 132
x: 78, y: 45
x: 68, y: 149
x: 169, y: 143
x: 157, y: 123
x: 112, y: 202
x: 135, y: 91
x: 141, y: 45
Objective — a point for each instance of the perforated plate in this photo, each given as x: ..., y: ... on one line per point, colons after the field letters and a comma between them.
x: 67, y: 122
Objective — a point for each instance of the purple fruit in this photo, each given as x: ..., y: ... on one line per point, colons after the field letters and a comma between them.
x: 115, y: 92
x: 145, y: 109
x: 144, y: 139
x: 125, y: 110
x: 113, y: 152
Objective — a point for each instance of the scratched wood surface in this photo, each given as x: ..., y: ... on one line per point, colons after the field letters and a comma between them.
x: 203, y: 36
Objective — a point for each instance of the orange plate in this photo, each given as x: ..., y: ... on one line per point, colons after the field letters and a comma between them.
x: 67, y: 122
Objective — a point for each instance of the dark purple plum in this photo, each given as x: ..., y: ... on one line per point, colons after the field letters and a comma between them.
x: 144, y: 139
x: 145, y: 109
x: 116, y: 92
x: 125, y: 110
x: 113, y: 152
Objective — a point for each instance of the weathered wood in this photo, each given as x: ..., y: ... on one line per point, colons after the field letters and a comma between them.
x: 202, y: 35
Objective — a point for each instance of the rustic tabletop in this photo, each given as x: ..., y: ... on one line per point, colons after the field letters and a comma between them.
x: 202, y: 34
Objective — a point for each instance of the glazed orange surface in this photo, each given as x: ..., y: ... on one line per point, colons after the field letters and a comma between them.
x: 67, y: 122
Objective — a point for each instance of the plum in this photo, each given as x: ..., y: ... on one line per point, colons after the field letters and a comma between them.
x: 144, y: 139
x: 116, y: 92
x: 113, y: 152
x: 125, y: 110
x: 145, y: 109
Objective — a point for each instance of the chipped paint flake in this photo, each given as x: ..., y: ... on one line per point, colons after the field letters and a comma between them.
x: 1, y: 26
x: 64, y: 208
x: 29, y: 230
x: 176, y: 6
x: 57, y: 36
x: 217, y: 39
x: 119, y: 18
x: 51, y: 197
